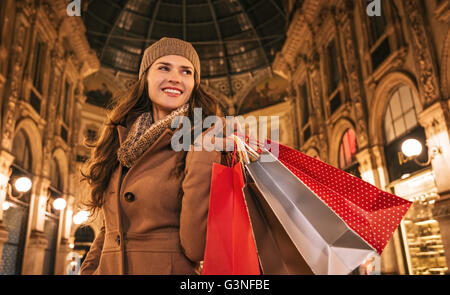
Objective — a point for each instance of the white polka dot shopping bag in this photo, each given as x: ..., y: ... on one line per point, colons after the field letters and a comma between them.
x: 334, y: 219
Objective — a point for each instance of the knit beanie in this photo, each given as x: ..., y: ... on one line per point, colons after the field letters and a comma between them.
x: 170, y: 46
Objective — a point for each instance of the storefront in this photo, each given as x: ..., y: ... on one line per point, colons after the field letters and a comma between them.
x: 420, y: 232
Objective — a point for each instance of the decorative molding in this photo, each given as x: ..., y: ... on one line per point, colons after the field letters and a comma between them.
x: 445, y: 67
x: 426, y: 70
x: 354, y: 83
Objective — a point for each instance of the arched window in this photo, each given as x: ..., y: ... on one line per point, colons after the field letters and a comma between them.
x: 22, y: 151
x: 55, y: 175
x: 401, y: 113
x: 400, y: 123
x: 347, y: 153
x: 347, y: 149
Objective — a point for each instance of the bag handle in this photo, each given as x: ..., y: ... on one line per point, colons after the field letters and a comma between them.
x: 246, y: 151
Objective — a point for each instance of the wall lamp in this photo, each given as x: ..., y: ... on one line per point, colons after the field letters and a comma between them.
x: 22, y: 185
x: 412, y: 148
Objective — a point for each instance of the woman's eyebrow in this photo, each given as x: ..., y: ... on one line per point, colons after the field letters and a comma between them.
x: 169, y: 64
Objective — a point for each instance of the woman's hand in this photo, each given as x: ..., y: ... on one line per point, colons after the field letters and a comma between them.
x: 219, y: 136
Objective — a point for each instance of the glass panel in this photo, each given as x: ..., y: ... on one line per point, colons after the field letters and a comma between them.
x: 333, y: 71
x: 406, y: 98
x: 410, y: 119
x: 395, y: 106
x: 380, y: 53
x: 347, y: 150
x: 15, y: 220
x: 399, y: 126
x: 21, y: 151
x: 304, y: 104
x: 424, y: 237
x: 388, y: 127
x: 51, y: 232
x: 341, y: 157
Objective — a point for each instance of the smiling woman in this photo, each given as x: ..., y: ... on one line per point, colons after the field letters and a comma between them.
x: 154, y: 200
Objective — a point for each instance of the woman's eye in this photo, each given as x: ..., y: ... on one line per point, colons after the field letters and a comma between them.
x: 187, y: 72
x: 164, y: 68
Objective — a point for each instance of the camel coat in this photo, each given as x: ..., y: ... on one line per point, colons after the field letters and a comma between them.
x: 154, y: 223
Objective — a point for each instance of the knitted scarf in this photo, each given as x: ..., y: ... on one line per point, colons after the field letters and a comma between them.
x: 143, y: 133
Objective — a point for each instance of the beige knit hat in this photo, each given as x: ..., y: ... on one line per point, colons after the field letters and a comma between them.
x: 170, y: 46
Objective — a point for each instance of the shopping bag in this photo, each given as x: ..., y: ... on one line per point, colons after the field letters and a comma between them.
x: 372, y: 213
x: 324, y: 238
x: 276, y: 252
x: 230, y: 246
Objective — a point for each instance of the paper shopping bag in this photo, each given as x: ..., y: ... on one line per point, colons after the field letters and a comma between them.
x: 322, y: 238
x: 370, y: 212
x: 230, y: 246
x: 276, y: 251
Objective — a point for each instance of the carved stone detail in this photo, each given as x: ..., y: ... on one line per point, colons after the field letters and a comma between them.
x: 423, y: 57
x: 356, y: 94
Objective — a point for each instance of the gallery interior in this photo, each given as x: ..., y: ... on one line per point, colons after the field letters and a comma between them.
x: 362, y: 87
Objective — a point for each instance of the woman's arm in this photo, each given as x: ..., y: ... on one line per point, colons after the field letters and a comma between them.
x: 92, y: 259
x: 195, y: 203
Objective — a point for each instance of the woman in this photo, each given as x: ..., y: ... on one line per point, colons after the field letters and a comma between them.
x: 154, y: 200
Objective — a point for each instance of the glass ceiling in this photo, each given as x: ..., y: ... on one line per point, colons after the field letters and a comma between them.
x: 231, y: 36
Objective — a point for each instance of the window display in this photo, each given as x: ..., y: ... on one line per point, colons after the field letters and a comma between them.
x: 423, y: 238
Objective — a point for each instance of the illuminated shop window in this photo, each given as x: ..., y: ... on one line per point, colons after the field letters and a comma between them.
x: 347, y: 153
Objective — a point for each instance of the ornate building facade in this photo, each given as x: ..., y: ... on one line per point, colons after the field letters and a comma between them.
x: 364, y: 84
x: 44, y: 58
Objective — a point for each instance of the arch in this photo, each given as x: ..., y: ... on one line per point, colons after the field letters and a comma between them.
x: 34, y: 137
x: 262, y: 93
x: 61, y: 159
x: 338, y: 131
x: 381, y: 99
x: 241, y: 95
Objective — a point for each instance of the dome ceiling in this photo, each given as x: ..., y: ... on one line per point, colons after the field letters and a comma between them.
x: 232, y: 37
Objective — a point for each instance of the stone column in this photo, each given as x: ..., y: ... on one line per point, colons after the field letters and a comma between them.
x: 436, y: 121
x: 367, y: 169
x: 36, y: 244
x: 63, y: 248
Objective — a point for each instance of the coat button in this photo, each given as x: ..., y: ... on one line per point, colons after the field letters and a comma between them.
x: 129, y: 197
x: 118, y: 240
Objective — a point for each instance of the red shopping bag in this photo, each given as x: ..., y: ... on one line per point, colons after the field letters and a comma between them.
x: 230, y: 245
x: 372, y: 213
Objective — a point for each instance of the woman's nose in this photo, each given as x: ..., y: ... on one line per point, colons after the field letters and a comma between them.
x: 174, y: 77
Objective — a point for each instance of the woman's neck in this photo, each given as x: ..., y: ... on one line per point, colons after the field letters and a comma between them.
x: 158, y: 113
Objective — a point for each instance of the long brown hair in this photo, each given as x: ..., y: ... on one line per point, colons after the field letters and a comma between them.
x: 124, y: 111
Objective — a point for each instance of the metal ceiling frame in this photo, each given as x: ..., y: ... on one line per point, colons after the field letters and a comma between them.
x: 113, y: 31
x: 152, y: 24
x: 219, y: 35
x: 252, y: 27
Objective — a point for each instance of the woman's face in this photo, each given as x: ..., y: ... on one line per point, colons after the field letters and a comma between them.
x: 170, y: 82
